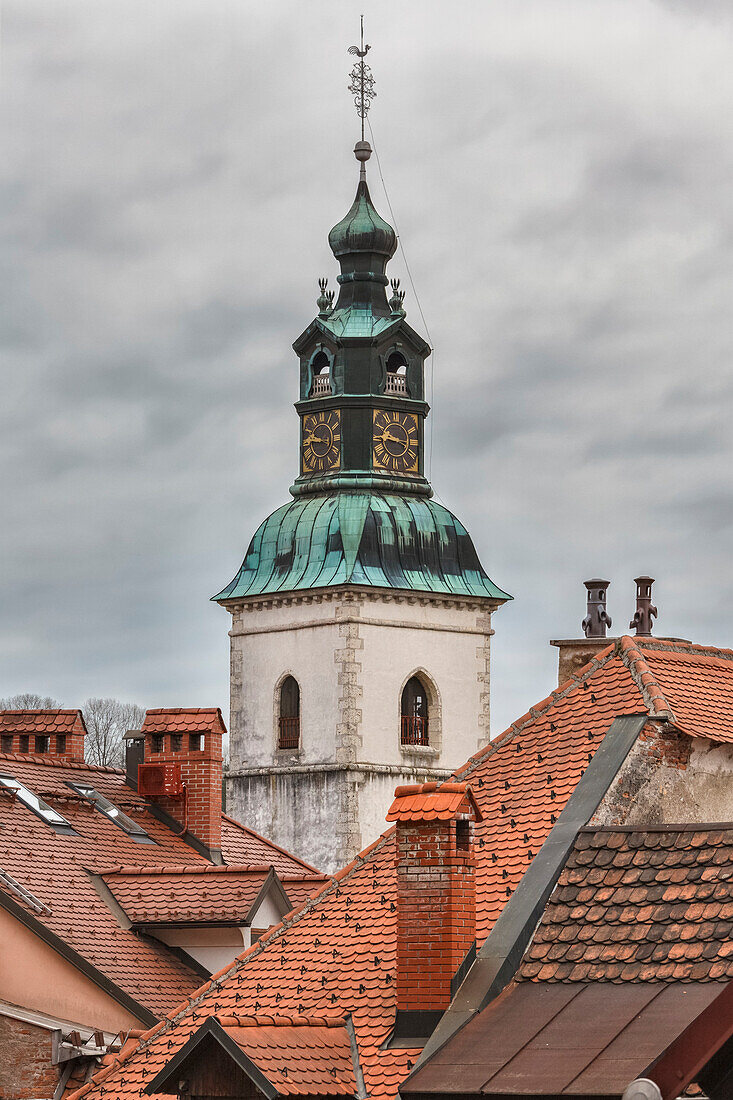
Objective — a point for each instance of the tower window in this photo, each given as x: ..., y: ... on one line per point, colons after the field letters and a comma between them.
x: 414, y: 711
x: 321, y: 370
x: 289, y: 720
x: 396, y: 381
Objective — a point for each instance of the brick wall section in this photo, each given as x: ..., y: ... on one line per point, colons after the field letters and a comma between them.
x: 436, y: 911
x: 201, y: 769
x: 25, y: 1061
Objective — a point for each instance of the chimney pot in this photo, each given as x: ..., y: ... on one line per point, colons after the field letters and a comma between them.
x: 597, y: 619
x: 646, y: 612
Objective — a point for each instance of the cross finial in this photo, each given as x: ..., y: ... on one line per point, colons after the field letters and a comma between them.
x: 362, y: 81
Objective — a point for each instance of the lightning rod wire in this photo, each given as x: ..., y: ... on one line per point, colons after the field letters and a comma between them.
x: 417, y: 297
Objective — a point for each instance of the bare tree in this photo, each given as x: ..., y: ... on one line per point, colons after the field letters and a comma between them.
x: 26, y: 700
x: 106, y: 721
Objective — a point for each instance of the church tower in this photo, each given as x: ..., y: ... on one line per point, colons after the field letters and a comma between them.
x: 361, y: 615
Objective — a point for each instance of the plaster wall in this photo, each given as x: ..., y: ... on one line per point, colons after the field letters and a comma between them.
x: 212, y: 947
x: 324, y: 815
x: 268, y: 643
x: 669, y: 778
x: 34, y: 976
x: 452, y: 664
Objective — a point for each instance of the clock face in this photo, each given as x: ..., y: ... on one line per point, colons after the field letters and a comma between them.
x: 395, y: 442
x: 321, y: 446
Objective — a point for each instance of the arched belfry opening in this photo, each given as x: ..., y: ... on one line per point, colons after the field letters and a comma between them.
x: 414, y: 713
x: 396, y: 380
x: 321, y: 371
x: 289, y: 714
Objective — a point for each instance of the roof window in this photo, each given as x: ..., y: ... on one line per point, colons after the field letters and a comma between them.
x: 37, y: 806
x: 112, y: 812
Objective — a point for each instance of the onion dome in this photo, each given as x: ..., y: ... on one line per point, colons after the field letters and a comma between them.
x: 363, y: 230
x: 366, y: 539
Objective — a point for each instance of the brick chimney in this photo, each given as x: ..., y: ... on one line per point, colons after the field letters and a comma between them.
x: 576, y: 652
x: 436, y: 900
x: 191, y: 739
x: 53, y: 733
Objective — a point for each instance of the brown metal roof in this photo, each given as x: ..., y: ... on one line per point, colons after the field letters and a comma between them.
x: 551, y: 1039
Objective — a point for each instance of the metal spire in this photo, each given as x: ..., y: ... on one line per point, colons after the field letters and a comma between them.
x: 362, y: 88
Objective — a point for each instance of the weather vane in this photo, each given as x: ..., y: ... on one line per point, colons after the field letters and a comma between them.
x: 362, y: 81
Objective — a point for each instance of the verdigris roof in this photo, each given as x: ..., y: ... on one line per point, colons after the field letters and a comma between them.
x: 363, y: 229
x: 384, y: 541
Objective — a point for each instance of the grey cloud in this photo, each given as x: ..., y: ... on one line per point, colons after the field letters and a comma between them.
x: 560, y: 173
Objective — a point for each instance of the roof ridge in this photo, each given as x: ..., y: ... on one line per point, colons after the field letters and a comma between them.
x: 41, y: 710
x: 56, y: 762
x: 652, y: 694
x: 189, y: 869
x: 678, y: 645
x: 285, y: 1020
x: 241, y: 961
x: 183, y: 710
x: 561, y: 692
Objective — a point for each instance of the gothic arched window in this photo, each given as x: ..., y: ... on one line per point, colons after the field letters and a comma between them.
x: 289, y: 714
x: 414, y: 713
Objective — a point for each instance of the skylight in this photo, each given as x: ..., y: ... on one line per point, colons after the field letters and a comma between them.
x: 112, y: 812
x: 37, y: 806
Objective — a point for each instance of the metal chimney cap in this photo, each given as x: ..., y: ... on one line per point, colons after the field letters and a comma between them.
x: 642, y: 1089
x: 641, y: 580
x: 596, y: 583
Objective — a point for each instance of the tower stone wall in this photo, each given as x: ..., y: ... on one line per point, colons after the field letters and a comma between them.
x: 351, y: 652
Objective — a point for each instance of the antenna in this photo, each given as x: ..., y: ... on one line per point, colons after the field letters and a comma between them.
x: 362, y: 81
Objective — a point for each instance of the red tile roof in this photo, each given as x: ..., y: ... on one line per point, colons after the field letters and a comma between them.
x: 299, y: 1056
x: 41, y: 721
x: 188, y: 720
x: 337, y: 953
x: 639, y: 905
x: 164, y: 895
x: 54, y: 868
x: 429, y: 802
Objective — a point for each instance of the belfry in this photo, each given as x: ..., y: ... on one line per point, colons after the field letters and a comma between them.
x: 361, y: 615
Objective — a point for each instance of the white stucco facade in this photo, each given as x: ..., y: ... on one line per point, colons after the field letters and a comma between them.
x: 351, y: 650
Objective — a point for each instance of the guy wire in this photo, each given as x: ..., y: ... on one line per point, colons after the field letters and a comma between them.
x: 414, y: 291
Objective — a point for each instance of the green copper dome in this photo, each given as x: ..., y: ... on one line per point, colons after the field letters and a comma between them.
x: 362, y: 230
x: 383, y: 541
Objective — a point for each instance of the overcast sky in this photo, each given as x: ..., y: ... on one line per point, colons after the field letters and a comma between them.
x: 560, y: 172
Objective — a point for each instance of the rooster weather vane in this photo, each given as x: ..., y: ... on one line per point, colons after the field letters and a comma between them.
x: 362, y: 81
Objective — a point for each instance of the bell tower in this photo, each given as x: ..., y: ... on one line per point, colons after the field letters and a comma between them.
x: 362, y: 394
x: 361, y: 614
